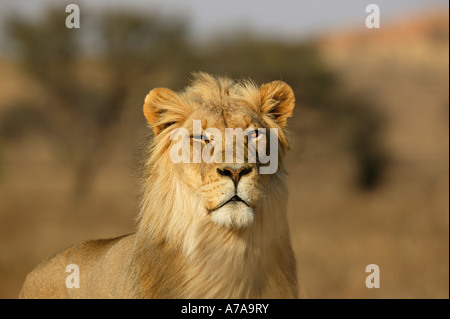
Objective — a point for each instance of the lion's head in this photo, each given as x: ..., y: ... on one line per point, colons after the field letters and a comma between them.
x: 192, y: 156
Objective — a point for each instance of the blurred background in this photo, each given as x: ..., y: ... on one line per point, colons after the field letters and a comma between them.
x: 369, y: 163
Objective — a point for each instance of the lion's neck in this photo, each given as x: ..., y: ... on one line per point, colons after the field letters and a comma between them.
x: 181, y: 254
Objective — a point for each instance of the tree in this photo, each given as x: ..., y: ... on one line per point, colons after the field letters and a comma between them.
x: 79, y: 115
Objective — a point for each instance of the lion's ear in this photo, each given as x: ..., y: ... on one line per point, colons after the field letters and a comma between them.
x: 277, y: 101
x: 163, y: 108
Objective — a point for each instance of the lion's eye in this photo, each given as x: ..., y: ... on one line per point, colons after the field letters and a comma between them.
x: 255, y: 134
x: 200, y: 138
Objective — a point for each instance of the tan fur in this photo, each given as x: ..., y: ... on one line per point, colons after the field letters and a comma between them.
x: 186, y: 245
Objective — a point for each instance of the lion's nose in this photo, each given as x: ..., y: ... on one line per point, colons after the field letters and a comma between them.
x: 234, y: 173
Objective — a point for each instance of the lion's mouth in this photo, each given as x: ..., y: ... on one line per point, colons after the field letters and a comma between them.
x: 233, y: 199
x: 236, y: 198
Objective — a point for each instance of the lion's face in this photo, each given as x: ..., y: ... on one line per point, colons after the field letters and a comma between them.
x: 218, y: 169
x: 230, y: 190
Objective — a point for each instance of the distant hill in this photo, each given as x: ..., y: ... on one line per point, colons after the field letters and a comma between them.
x: 404, y: 68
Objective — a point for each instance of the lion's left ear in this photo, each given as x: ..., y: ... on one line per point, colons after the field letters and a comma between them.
x: 163, y: 108
x: 277, y: 101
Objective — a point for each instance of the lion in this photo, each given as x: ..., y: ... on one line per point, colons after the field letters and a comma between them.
x: 204, y: 230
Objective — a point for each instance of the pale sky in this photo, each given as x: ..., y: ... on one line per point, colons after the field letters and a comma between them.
x: 287, y: 19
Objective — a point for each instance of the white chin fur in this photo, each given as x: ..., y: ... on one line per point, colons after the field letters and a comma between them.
x: 233, y: 215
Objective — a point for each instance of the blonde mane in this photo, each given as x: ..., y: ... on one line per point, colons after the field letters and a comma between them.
x: 217, y: 262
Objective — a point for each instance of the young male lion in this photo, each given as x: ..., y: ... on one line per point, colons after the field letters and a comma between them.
x: 205, y: 229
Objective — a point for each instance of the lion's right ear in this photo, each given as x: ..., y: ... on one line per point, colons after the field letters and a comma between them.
x: 163, y: 108
x: 277, y: 101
